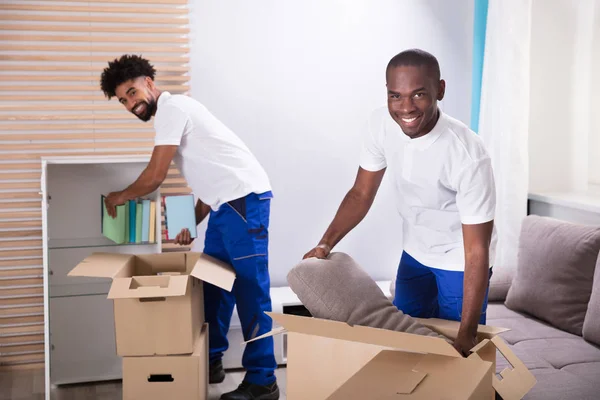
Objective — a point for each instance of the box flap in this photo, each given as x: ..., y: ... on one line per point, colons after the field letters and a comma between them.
x: 139, y: 287
x: 211, y: 270
x: 104, y: 265
x: 382, y: 337
x: 516, y: 382
x: 389, y: 373
x: 160, y: 263
x: 450, y: 328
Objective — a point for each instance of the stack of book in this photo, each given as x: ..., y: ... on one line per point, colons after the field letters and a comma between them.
x: 135, y: 222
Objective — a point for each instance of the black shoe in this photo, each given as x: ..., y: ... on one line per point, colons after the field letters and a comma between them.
x: 249, y: 391
x: 216, y: 373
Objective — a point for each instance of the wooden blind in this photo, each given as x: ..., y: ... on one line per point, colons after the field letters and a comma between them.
x: 51, y: 56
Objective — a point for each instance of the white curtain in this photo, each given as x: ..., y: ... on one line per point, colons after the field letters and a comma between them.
x: 504, y: 126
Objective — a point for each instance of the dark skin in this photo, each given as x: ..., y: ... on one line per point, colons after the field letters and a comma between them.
x: 413, y: 93
x: 139, y: 97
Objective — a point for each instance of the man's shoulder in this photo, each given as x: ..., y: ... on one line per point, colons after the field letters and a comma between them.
x: 464, y: 140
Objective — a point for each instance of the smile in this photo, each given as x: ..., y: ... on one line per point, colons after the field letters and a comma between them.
x: 410, y: 121
x: 139, y: 109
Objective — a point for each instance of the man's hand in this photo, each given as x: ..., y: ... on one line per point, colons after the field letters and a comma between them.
x: 321, y: 251
x: 184, y: 238
x: 464, y: 343
x: 113, y: 200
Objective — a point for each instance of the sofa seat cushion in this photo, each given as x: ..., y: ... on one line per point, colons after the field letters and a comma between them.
x: 555, y: 271
x: 561, y: 352
x: 565, y: 365
x: 524, y: 329
x: 499, y: 310
x: 555, y: 384
x: 589, y: 371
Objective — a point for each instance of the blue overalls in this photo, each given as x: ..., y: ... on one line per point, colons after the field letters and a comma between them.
x: 238, y: 234
x: 425, y: 292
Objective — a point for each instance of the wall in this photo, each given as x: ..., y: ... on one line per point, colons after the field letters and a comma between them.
x: 564, y: 135
x: 297, y: 80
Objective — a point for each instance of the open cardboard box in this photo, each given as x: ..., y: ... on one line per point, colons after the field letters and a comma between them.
x: 158, y: 298
x: 334, y: 361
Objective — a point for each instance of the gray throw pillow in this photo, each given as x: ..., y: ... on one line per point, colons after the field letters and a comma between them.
x: 591, y: 325
x: 338, y: 289
x: 555, y: 271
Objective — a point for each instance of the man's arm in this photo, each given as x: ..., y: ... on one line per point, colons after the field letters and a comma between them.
x: 149, y: 180
x: 353, y: 209
x: 477, y: 238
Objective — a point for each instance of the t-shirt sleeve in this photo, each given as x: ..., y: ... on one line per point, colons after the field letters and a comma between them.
x: 372, y: 156
x: 476, y: 193
x: 170, y: 125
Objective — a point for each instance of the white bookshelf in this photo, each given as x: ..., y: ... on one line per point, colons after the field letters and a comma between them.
x: 79, y: 319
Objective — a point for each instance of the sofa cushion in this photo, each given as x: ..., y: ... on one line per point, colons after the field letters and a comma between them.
x: 501, y: 280
x: 555, y: 271
x: 591, y: 325
x: 554, y: 384
x: 338, y: 289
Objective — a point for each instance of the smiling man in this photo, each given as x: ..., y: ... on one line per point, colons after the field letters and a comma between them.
x: 233, y: 188
x: 445, y: 194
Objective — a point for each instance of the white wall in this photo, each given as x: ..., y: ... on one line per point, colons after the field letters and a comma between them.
x: 296, y: 80
x: 564, y: 141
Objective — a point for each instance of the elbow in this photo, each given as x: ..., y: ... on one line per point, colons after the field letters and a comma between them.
x: 477, y: 255
x: 155, y: 182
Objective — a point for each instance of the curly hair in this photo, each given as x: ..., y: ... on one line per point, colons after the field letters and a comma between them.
x: 123, y: 69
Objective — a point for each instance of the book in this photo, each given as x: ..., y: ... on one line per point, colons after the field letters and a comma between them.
x: 132, y: 217
x: 135, y: 222
x: 152, y: 234
x: 113, y: 228
x: 138, y: 222
x: 180, y: 213
x: 145, y: 220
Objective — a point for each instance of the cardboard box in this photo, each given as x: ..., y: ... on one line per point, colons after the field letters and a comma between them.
x: 333, y: 360
x: 158, y: 302
x: 182, y: 377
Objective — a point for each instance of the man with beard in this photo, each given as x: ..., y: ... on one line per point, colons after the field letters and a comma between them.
x: 445, y: 194
x: 233, y: 188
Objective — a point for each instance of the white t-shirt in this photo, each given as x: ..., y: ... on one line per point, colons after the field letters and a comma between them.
x: 441, y: 180
x: 216, y: 164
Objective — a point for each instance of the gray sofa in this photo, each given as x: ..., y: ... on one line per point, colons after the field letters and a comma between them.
x: 551, y: 305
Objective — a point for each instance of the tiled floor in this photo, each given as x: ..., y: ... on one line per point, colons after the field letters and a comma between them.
x: 29, y: 385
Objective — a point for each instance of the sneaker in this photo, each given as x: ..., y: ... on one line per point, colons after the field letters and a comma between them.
x: 250, y: 391
x: 216, y: 373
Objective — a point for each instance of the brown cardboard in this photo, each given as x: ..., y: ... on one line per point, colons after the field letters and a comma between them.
x: 397, y: 375
x: 158, y: 298
x: 329, y: 358
x: 182, y: 377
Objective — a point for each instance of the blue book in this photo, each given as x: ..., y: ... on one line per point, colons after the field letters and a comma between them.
x: 145, y: 220
x: 180, y: 213
x: 132, y: 218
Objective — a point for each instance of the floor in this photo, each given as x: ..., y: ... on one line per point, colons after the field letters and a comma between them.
x: 29, y: 385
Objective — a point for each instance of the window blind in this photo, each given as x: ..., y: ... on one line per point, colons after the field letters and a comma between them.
x: 51, y: 56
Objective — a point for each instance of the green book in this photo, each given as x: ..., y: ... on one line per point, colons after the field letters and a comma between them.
x: 114, y: 228
x: 126, y: 221
x: 138, y: 222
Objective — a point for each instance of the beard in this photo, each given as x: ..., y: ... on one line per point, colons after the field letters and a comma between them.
x: 149, y: 110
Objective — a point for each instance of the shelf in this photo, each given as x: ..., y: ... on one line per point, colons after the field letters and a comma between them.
x: 585, y: 201
x: 89, y: 242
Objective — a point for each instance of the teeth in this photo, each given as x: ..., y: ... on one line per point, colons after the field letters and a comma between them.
x: 409, y: 120
x: 138, y: 108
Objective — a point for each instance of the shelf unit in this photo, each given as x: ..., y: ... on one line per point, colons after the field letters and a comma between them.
x: 78, y: 318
